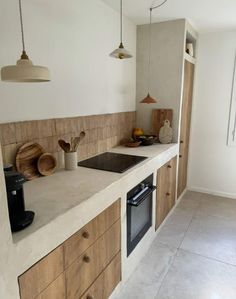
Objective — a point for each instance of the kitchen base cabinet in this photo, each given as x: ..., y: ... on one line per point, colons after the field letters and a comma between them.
x: 84, y: 271
x: 87, y: 265
x: 166, y: 190
x: 42, y: 274
x: 106, y: 282
x: 55, y: 290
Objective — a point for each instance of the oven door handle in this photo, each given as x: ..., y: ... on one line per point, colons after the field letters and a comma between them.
x: 139, y: 198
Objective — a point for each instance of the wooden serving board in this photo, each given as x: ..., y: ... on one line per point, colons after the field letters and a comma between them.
x: 158, y: 118
x: 27, y: 159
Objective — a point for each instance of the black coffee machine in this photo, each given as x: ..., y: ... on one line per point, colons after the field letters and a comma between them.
x: 19, y: 218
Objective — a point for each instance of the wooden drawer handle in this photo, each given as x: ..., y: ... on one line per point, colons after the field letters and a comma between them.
x: 169, y: 166
x: 89, y: 297
x: 85, y: 235
x: 181, y: 141
x: 180, y: 156
x: 86, y: 259
x: 168, y: 194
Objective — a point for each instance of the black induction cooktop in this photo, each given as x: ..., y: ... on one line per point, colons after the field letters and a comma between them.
x: 112, y: 162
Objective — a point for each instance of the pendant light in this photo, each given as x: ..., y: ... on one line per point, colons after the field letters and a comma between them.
x: 121, y: 52
x: 24, y: 70
x: 148, y: 99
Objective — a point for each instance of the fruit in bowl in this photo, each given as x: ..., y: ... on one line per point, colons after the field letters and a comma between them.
x: 147, y: 139
x: 137, y: 132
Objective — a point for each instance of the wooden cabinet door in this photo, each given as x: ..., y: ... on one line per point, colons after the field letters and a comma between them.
x: 38, y: 277
x: 166, y: 190
x: 106, y: 282
x: 185, y: 126
x: 56, y: 290
x: 162, y: 208
x: 86, y: 268
x: 85, y: 237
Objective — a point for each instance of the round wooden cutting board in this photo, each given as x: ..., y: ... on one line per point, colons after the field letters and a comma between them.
x: 27, y: 159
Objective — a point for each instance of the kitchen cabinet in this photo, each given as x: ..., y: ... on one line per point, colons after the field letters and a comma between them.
x: 105, y: 283
x: 85, y: 237
x: 84, y: 271
x: 185, y: 126
x: 42, y: 274
x: 166, y: 190
x: 88, y: 263
x: 55, y: 290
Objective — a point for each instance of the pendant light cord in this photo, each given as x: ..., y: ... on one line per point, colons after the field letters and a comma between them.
x: 150, y: 46
x: 24, y: 56
x: 154, y: 7
x: 150, y: 40
x: 121, y: 21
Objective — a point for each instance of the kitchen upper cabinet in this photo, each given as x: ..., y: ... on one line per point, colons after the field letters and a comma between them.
x: 87, y: 265
x: 185, y: 126
x: 166, y: 190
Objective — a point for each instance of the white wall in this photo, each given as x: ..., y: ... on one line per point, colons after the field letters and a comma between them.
x: 212, y: 165
x: 74, y: 39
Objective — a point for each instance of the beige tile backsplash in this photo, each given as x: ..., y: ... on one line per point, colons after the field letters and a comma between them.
x: 102, y: 133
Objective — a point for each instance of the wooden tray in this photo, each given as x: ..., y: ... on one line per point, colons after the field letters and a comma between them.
x: 158, y: 118
x: 27, y: 159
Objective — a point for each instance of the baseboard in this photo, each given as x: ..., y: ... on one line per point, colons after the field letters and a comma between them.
x: 213, y: 192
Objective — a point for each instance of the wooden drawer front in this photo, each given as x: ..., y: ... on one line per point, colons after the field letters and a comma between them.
x: 84, y: 238
x: 38, y: 278
x: 166, y: 191
x: 86, y: 268
x: 56, y: 290
x: 106, y: 282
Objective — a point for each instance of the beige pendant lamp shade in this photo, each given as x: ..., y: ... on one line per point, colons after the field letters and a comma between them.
x: 148, y: 99
x: 24, y: 70
x: 121, y: 52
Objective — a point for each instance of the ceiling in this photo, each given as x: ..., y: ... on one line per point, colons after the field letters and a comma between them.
x: 204, y: 15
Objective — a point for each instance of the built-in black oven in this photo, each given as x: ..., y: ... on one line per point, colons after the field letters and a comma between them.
x: 139, y: 212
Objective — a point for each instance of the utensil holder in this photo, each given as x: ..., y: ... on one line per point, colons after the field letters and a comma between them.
x: 71, y: 161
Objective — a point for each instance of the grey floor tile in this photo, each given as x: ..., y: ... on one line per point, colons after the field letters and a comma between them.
x: 174, y: 229
x: 147, y: 278
x: 195, y: 277
x: 190, y: 201
x: 212, y: 237
x: 218, y: 206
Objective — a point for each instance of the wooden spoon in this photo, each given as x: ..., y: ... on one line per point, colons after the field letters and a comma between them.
x: 64, y: 145
x: 79, y: 139
x: 75, y: 143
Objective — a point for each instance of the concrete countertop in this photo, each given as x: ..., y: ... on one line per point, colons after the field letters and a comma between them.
x: 52, y: 196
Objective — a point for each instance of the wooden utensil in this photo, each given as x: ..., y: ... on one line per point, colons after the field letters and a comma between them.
x: 77, y: 140
x: 64, y: 145
x: 158, y: 118
x: 27, y: 159
x: 46, y: 164
x: 74, y: 143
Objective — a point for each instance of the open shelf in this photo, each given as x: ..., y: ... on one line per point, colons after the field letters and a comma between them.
x: 189, y: 58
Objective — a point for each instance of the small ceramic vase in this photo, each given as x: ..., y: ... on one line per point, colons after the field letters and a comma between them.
x: 166, y: 133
